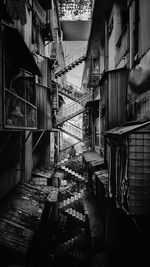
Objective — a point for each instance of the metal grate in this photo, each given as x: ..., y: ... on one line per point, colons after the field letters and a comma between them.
x: 139, y: 172
x: 18, y: 113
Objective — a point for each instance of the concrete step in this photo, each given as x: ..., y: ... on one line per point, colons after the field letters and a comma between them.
x: 71, y: 200
x: 75, y: 174
x: 76, y: 214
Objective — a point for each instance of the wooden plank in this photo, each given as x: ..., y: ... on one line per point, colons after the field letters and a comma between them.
x: 20, y: 213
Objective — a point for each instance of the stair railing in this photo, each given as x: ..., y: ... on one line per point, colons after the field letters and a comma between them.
x: 71, y: 60
x: 80, y: 146
x: 74, y: 107
x: 72, y: 129
x: 72, y: 91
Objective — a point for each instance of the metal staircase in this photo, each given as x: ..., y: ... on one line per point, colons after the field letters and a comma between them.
x: 71, y: 110
x: 74, y: 93
x: 73, y: 243
x: 72, y: 61
x: 73, y: 173
x: 72, y: 130
x: 71, y: 91
x: 80, y: 146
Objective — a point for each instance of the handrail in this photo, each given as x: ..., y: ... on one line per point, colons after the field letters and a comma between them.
x: 64, y: 117
x: 77, y: 54
x: 71, y: 84
x: 72, y: 91
x: 84, y: 141
x: 74, y: 131
x: 84, y: 147
x: 77, y: 136
x: 71, y: 109
x: 80, y: 102
x: 68, y: 122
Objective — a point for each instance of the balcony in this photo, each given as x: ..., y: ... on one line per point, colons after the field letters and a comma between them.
x: 18, y: 113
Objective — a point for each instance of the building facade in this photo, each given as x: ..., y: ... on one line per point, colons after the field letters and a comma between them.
x: 30, y: 48
x: 117, y: 70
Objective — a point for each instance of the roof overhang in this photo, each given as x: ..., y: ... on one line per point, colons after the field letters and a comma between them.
x: 126, y: 129
x: 17, y: 51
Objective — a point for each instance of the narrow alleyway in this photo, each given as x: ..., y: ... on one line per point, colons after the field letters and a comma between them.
x: 72, y: 241
x: 79, y: 234
x: 71, y: 235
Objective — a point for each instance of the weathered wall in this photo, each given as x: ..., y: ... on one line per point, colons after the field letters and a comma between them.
x: 10, y: 161
x: 45, y: 150
x: 28, y: 157
x: 1, y: 74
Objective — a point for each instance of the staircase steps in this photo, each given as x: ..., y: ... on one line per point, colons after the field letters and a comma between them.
x: 69, y: 67
x: 73, y: 173
x: 75, y: 166
x: 76, y: 214
x: 62, y: 118
x: 72, y: 130
x: 67, y: 191
x: 69, y: 111
x: 72, y: 245
x: 77, y: 241
x: 72, y: 61
x: 71, y: 91
x: 71, y: 134
x: 67, y: 160
x: 71, y: 200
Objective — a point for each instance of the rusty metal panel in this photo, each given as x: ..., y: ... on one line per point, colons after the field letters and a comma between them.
x: 117, y: 90
x: 43, y: 107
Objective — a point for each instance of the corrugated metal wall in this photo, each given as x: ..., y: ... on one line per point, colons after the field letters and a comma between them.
x: 144, y: 26
x: 10, y: 161
x: 117, y: 90
x: 103, y: 111
x: 1, y: 68
x: 139, y: 173
x: 43, y: 107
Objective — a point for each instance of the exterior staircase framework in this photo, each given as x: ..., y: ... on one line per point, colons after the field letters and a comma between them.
x: 72, y: 61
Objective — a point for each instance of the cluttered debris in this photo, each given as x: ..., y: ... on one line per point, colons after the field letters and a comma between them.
x: 42, y: 174
x: 20, y: 215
